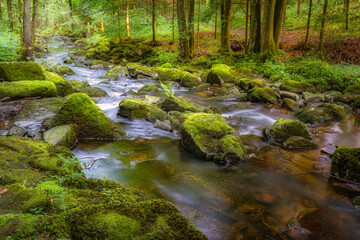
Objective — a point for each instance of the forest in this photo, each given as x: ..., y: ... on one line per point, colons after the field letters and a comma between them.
x: 180, y: 119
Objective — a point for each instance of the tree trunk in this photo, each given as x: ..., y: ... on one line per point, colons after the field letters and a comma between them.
x: 322, y: 29
x: 34, y: 22
x: 255, y: 26
x: 225, y: 27
x: 127, y: 21
x: 347, y: 9
x: 308, y: 24
x: 280, y: 8
x: 216, y: 25
x: 71, y: 8
x: 9, y: 10
x: 154, y: 20
x: 198, y: 25
x: 119, y: 21
x: 246, y: 24
x: 184, y: 51
x: 27, y: 28
x: 191, y: 27
x: 299, y: 8
x: 20, y: 11
x: 173, y: 21
x: 1, y: 12
x: 267, y: 39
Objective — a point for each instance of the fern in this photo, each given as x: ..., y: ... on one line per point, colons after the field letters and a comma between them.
x: 169, y: 90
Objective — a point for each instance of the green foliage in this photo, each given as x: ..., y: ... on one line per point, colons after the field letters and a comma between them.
x: 168, y: 89
x: 10, y: 45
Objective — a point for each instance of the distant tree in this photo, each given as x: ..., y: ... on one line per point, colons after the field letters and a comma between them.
x: 322, y: 28
x: 27, y: 28
x: 10, y: 15
x: 225, y: 26
x: 347, y: 10
x: 308, y: 24
x: 154, y: 19
x: 34, y: 22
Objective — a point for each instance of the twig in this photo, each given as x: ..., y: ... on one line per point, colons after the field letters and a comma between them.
x: 344, y: 180
x: 91, y: 164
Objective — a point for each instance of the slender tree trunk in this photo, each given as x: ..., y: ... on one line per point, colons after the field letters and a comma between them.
x: 27, y: 28
x: 89, y: 25
x: 71, y: 8
x: 154, y: 20
x: 20, y: 11
x: 267, y: 38
x: 198, y: 25
x: 216, y: 25
x: 279, y: 14
x: 255, y: 26
x: 184, y: 51
x: 127, y: 21
x: 10, y: 16
x: 225, y: 27
x: 191, y: 27
x: 1, y: 12
x: 246, y: 24
x: 119, y: 21
x: 173, y: 21
x: 34, y: 22
x: 299, y: 8
x: 308, y: 24
x: 322, y: 29
x: 347, y: 9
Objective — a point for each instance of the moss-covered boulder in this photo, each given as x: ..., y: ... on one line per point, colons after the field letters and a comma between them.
x: 27, y: 89
x: 137, y: 69
x: 20, y: 71
x: 312, y: 115
x: 169, y: 74
x: 219, y: 74
x: 299, y: 142
x: 172, y: 103
x: 208, y: 136
x: 92, y: 123
x: 84, y: 87
x: 57, y: 68
x: 167, y: 65
x: 63, y: 87
x: 149, y: 88
x: 43, y: 192
x: 282, y: 129
x: 290, y: 104
x: 135, y: 108
x: 248, y: 83
x: 100, y: 62
x: 337, y: 111
x: 202, y: 60
x: 297, y: 87
x: 190, y: 80
x: 313, y: 97
x: 262, y: 95
x: 286, y: 94
x: 118, y: 72
x: 64, y: 135
x: 346, y: 163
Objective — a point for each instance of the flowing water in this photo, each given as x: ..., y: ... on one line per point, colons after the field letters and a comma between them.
x: 222, y: 202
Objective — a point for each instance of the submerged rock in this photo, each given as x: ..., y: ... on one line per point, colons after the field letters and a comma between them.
x: 283, y: 129
x: 136, y: 69
x: 20, y: 71
x: 64, y: 135
x: 346, y: 163
x: 27, y: 89
x: 178, y: 104
x: 135, y: 108
x: 209, y: 136
x: 92, y: 123
x: 297, y: 87
x: 262, y: 95
x: 219, y: 74
x: 299, y: 142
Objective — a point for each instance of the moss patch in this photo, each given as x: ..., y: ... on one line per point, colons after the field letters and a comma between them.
x: 178, y: 104
x: 169, y: 74
x: 190, y: 80
x: 27, y: 89
x: 117, y: 72
x: 137, y: 69
x: 84, y: 87
x: 21, y: 71
x: 282, y: 129
x: 134, y: 108
x: 297, y: 87
x: 247, y: 83
x: 219, y: 74
x: 63, y: 87
x: 346, y: 163
x: 262, y: 95
x: 64, y: 135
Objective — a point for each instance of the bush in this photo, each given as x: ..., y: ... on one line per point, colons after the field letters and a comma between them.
x: 10, y: 45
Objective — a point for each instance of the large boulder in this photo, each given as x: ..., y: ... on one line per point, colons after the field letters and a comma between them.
x: 169, y: 74
x: 92, y: 123
x: 57, y: 68
x: 27, y: 89
x: 313, y: 97
x: 135, y: 108
x: 262, y: 95
x: 248, y: 83
x: 297, y: 87
x: 219, y: 74
x: 208, y: 136
x: 323, y: 113
x: 282, y: 129
x: 136, y: 69
x: 64, y: 135
x: 63, y: 87
x: 172, y: 103
x: 20, y: 71
x: 346, y: 163
x: 190, y: 80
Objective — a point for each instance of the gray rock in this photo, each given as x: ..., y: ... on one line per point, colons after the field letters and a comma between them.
x: 290, y: 104
x: 286, y: 94
x: 313, y: 97
x: 99, y: 66
x: 64, y: 135
x: 16, y: 131
x: 162, y: 125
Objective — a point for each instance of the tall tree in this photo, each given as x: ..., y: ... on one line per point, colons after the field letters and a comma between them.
x: 1, y: 13
x: 20, y: 11
x: 246, y: 24
x: 191, y: 27
x: 279, y: 15
x: 154, y: 20
x: 322, y: 28
x: 27, y: 28
x: 299, y: 8
x: 225, y: 26
x: 198, y: 24
x: 267, y: 38
x: 184, y: 51
x: 347, y: 10
x: 308, y: 24
x: 127, y: 21
x: 255, y: 26
x: 10, y: 16
x: 34, y: 22
x: 173, y: 21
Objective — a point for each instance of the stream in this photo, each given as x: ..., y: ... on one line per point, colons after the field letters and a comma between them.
x: 222, y: 202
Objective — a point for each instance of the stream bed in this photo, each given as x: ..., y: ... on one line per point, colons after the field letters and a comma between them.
x: 222, y: 202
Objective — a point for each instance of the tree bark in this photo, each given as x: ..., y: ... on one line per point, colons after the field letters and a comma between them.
x: 225, y: 27
x: 308, y: 24
x: 347, y: 9
x: 173, y: 21
x: 10, y: 16
x: 216, y: 25
x: 322, y: 29
x: 119, y: 21
x: 279, y: 14
x: 246, y: 24
x: 198, y: 25
x: 184, y: 51
x: 267, y: 39
x: 34, y: 22
x: 191, y: 28
x: 27, y: 28
x: 20, y: 11
x: 299, y: 8
x: 154, y: 20
x: 127, y: 21
x: 1, y: 12
x: 255, y: 26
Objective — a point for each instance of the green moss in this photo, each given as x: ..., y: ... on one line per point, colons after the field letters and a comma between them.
x: 57, y: 68
x: 137, y: 69
x: 282, y: 129
x: 338, y: 112
x: 219, y: 74
x: 299, y: 142
x: 84, y: 87
x: 178, y: 104
x: 27, y: 89
x: 328, y: 111
x: 117, y: 72
x: 247, y: 84
x: 346, y: 163
x: 98, y: 62
x: 167, y: 65
x: 262, y: 95
x: 134, y: 108
x: 297, y: 87
x: 21, y: 71
x: 202, y: 60
x: 92, y: 123
x: 169, y: 74
x: 149, y: 88
x: 63, y: 87
x: 356, y: 103
x: 190, y: 80
x: 290, y: 104
x: 64, y: 135
x: 231, y: 148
